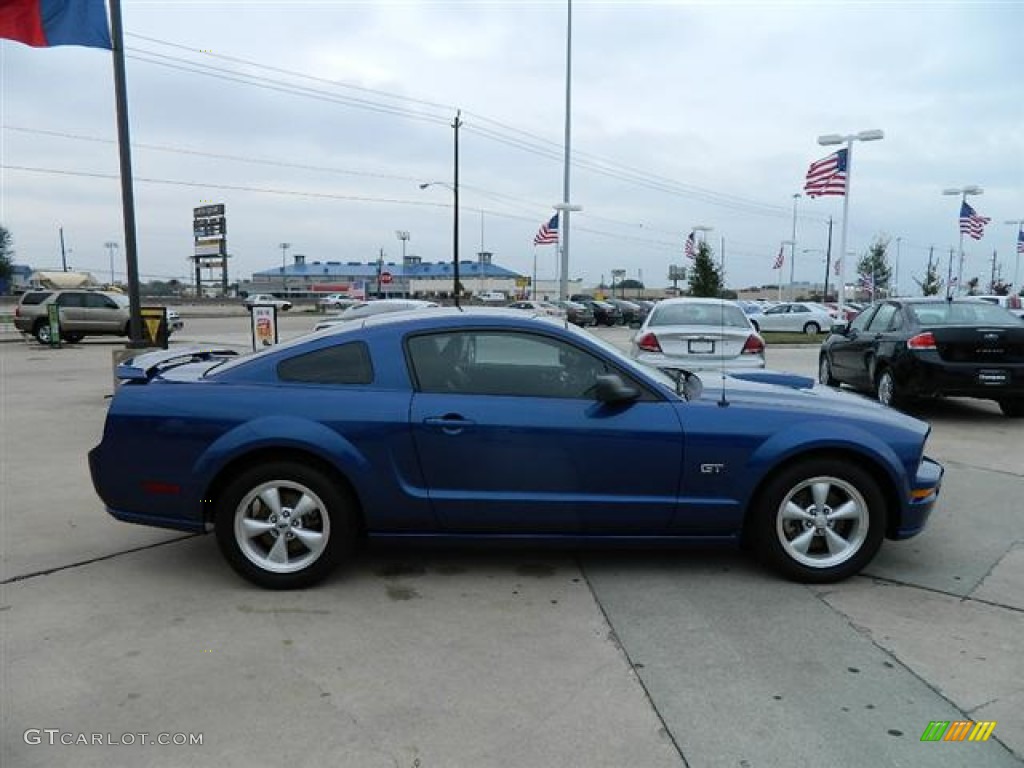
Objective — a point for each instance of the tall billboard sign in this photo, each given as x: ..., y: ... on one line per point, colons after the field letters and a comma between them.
x: 210, y: 254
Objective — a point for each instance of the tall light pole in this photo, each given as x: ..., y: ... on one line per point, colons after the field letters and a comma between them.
x: 703, y: 229
x: 403, y: 235
x: 455, y: 236
x: 962, y: 193
x: 566, y: 207
x: 284, y: 264
x: 1018, y: 247
x: 783, y: 244
x: 792, y: 252
x: 832, y: 139
x: 111, y: 246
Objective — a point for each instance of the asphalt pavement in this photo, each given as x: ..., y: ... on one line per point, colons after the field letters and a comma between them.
x: 120, y: 635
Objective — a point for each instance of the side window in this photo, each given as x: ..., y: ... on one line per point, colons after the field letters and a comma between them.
x: 883, y: 317
x: 71, y: 300
x: 503, y: 363
x: 798, y: 308
x: 340, y: 364
x: 860, y: 322
x: 99, y: 301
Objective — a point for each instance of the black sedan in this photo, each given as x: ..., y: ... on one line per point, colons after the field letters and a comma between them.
x: 900, y: 349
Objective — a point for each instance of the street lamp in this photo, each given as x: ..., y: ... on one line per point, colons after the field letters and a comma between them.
x: 783, y: 244
x: 703, y: 229
x: 831, y: 139
x: 1018, y: 246
x: 563, y: 227
x: 403, y: 235
x: 111, y: 246
x: 792, y: 252
x: 962, y: 193
x: 455, y: 230
x: 284, y: 259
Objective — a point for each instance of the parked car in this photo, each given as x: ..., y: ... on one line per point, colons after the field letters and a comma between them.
x: 490, y: 297
x: 174, y: 321
x: 697, y: 334
x: 796, y: 316
x: 577, y: 313
x: 336, y: 301
x: 414, y: 425
x: 631, y: 312
x: 604, y: 313
x: 900, y: 349
x: 365, y: 309
x: 266, y: 299
x: 82, y: 313
x: 541, y: 307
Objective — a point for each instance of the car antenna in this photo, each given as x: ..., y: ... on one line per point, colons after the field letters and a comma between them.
x: 723, y: 402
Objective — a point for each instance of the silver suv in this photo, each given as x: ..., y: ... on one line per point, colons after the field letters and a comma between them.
x: 82, y: 313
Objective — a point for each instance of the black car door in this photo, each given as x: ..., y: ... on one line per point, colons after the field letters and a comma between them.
x: 848, y: 351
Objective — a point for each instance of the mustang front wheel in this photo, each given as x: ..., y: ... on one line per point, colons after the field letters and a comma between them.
x: 820, y: 521
x: 284, y: 525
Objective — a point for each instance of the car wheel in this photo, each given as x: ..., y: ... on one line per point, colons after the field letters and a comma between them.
x: 886, y: 390
x: 825, y: 372
x: 820, y: 521
x: 812, y: 329
x: 73, y: 338
x: 1012, y: 407
x: 42, y: 332
x: 283, y: 525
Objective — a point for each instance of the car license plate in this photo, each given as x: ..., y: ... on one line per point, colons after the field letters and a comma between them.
x: 993, y: 378
x: 700, y: 347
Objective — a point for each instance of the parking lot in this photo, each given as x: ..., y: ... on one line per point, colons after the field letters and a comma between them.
x: 483, y: 657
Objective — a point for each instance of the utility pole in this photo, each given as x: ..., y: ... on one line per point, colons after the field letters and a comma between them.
x: 895, y: 289
x: 828, y: 261
x: 992, y: 281
x: 63, y: 255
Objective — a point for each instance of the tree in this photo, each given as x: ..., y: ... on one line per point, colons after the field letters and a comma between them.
x: 972, y: 286
x: 1000, y: 287
x: 6, y: 254
x: 875, y: 264
x: 705, y: 279
x: 932, y: 283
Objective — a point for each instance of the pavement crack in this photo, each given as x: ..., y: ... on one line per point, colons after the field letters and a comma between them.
x: 632, y: 665
x: 936, y: 591
x: 100, y: 559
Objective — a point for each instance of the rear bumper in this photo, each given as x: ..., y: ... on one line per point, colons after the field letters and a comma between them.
x: 700, y: 363
x: 930, y: 377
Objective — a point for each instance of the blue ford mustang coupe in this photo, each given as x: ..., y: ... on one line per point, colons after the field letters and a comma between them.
x: 458, y: 425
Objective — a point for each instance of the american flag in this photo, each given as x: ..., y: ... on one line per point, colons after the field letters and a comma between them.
x: 971, y: 224
x: 691, y: 247
x: 827, y: 176
x: 548, y: 233
x: 778, y: 260
x: 1020, y: 241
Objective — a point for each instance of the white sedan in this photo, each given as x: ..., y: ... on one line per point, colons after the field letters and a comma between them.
x: 698, y: 334
x: 541, y: 307
x: 265, y: 299
x: 796, y: 316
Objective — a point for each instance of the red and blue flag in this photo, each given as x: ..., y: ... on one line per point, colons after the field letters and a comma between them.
x: 46, y: 23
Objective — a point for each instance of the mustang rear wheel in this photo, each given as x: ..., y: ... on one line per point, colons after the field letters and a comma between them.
x: 283, y: 525
x: 819, y: 521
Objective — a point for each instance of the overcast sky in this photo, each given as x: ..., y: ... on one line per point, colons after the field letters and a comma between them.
x: 315, y: 123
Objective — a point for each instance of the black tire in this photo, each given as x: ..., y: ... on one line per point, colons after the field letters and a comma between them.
x: 812, y: 329
x: 1012, y: 407
x: 853, y: 512
x: 825, y: 372
x: 886, y: 390
x: 42, y: 332
x: 73, y: 338
x: 316, y: 539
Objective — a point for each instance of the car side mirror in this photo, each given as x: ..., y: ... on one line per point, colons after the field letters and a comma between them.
x: 840, y: 329
x: 610, y: 388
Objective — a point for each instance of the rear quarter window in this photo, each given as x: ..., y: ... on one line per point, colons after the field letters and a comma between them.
x: 340, y: 364
x: 34, y: 297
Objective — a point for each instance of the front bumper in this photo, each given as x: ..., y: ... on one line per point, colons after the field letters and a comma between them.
x: 923, y: 494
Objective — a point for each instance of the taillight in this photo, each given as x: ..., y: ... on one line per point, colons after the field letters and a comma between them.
x: 649, y: 343
x: 753, y: 346
x: 924, y: 340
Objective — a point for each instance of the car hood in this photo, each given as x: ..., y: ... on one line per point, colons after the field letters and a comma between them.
x: 801, y: 394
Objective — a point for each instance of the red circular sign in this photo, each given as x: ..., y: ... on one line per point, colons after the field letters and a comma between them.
x: 385, y: 277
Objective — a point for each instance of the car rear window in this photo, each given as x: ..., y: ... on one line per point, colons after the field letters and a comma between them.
x: 35, y: 297
x: 962, y: 313
x: 340, y: 364
x: 699, y: 314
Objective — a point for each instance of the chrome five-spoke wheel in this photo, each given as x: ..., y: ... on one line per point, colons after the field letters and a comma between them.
x: 822, y: 522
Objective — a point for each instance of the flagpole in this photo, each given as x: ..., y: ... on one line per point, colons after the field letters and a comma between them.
x: 563, y: 281
x: 135, y: 339
x: 533, y: 285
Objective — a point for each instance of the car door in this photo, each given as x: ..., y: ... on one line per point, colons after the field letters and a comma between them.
x: 73, y: 316
x: 775, y: 318
x: 103, y: 314
x: 511, y: 439
x: 851, y: 353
